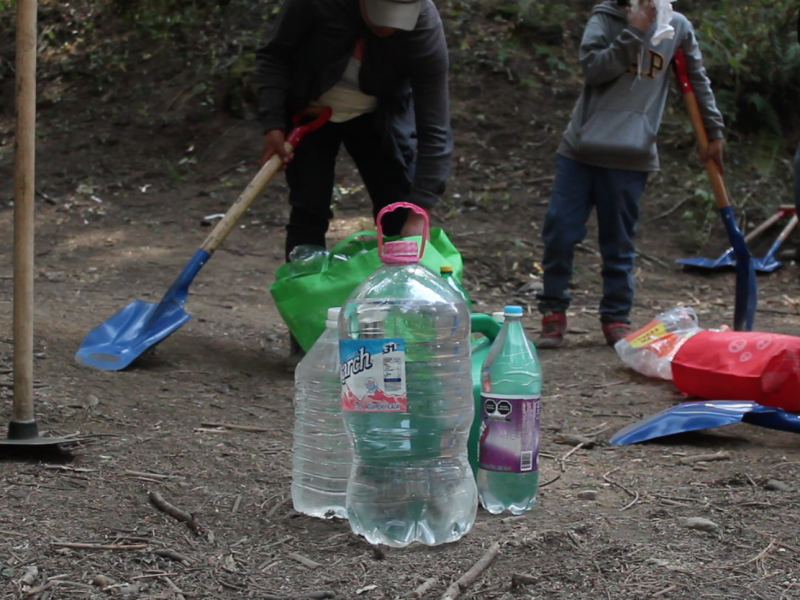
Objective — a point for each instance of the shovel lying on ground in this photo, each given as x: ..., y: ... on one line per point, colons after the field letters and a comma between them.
x: 693, y: 416
x: 115, y: 344
x: 728, y: 259
x: 746, y: 291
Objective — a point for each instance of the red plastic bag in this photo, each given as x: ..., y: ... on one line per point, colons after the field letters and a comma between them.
x: 736, y: 365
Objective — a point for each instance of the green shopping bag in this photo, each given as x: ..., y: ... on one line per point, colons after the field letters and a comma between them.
x: 303, y: 301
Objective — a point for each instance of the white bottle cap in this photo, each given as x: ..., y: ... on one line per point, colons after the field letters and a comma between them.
x: 499, y: 316
x: 333, y: 318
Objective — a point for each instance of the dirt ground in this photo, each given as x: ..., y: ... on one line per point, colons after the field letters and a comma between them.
x: 116, y: 222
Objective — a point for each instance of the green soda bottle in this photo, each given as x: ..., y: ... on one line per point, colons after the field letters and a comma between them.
x: 511, y: 386
x: 446, y: 271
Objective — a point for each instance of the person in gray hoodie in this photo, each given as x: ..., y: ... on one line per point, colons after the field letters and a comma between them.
x: 607, y: 152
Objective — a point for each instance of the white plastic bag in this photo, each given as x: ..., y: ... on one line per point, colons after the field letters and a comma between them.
x: 650, y: 350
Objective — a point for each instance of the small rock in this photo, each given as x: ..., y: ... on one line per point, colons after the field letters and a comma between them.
x: 587, y: 495
x: 102, y: 581
x: 777, y: 486
x: 129, y: 589
x: 30, y: 576
x: 700, y: 524
x: 92, y: 401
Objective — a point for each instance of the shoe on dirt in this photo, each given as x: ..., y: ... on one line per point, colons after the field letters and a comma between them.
x: 554, y: 328
x: 296, y: 354
x: 614, y: 332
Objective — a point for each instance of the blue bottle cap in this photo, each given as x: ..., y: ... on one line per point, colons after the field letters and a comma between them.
x: 513, y: 310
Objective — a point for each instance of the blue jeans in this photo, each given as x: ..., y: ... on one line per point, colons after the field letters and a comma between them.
x: 615, y: 194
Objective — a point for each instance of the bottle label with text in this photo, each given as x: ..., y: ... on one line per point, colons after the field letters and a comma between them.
x: 509, y: 438
x: 373, y: 375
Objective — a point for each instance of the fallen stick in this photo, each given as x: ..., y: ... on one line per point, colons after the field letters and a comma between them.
x: 519, y: 580
x: 546, y: 483
x: 143, y: 474
x: 568, y: 454
x: 690, y: 460
x: 425, y: 586
x: 319, y: 595
x: 40, y: 589
x: 237, y: 427
x: 79, y: 546
x: 172, y: 555
x: 468, y: 578
x: 571, y: 439
x: 306, y: 562
x: 634, y: 495
x: 176, y: 513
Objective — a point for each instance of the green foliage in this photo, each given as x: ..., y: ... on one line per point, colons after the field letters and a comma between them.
x: 753, y: 58
x: 168, y: 18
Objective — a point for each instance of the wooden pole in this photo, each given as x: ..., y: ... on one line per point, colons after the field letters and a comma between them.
x: 24, y: 189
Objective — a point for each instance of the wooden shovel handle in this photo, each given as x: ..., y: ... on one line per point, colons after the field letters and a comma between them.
x: 764, y: 226
x: 235, y: 212
x: 682, y: 73
x: 788, y: 229
x: 24, y: 189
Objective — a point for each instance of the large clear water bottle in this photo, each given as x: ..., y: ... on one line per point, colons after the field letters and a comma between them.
x: 407, y: 401
x: 511, y: 380
x: 322, y: 455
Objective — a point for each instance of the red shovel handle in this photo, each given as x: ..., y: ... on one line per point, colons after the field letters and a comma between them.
x: 682, y: 73
x: 300, y: 130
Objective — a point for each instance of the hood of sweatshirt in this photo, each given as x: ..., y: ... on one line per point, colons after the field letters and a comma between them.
x: 610, y: 7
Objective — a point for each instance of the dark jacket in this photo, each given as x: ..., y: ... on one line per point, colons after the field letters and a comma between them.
x: 307, y: 53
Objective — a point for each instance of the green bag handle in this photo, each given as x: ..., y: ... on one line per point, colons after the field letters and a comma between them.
x: 350, y: 238
x: 343, y: 244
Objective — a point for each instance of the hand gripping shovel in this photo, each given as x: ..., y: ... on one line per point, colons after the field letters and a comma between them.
x: 746, y: 291
x: 727, y: 258
x: 115, y: 344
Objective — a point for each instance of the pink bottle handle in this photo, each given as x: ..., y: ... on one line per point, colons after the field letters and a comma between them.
x: 394, y: 207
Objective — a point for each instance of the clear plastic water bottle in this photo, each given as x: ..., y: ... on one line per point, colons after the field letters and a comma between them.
x: 307, y: 258
x: 322, y: 455
x: 446, y: 271
x: 511, y: 380
x: 407, y: 401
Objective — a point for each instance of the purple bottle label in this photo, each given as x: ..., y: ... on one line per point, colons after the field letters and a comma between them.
x: 509, y: 440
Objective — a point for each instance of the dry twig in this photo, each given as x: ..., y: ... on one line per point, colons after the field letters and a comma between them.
x: 172, y: 555
x: 425, y: 587
x: 468, y: 578
x: 689, y: 460
x: 634, y: 495
x: 80, y: 546
x: 176, y: 513
x: 306, y: 562
x: 237, y: 427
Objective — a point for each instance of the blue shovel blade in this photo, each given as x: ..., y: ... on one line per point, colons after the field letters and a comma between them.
x: 693, y: 416
x: 119, y: 341
x: 726, y: 260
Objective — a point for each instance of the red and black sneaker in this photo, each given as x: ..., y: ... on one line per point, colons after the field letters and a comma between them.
x: 554, y: 328
x: 614, y: 332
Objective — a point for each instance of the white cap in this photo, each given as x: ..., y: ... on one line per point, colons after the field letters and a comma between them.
x: 333, y: 317
x: 499, y: 316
